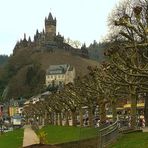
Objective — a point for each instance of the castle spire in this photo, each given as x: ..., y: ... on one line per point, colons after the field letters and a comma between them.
x: 50, y: 17
x: 24, y: 36
x: 29, y: 39
x: 43, y: 31
x: 37, y: 32
x: 84, y: 45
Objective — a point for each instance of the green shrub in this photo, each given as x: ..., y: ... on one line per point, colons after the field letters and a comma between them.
x: 42, y: 135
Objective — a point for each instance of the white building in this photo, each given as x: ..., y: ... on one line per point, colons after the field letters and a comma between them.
x: 60, y: 74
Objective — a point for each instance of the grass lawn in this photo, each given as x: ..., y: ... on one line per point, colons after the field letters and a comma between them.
x: 61, y: 134
x: 132, y: 140
x: 13, y: 139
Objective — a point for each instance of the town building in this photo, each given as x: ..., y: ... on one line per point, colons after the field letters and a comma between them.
x: 60, y: 74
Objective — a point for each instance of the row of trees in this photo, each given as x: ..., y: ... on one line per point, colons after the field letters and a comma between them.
x: 71, y: 101
x: 123, y: 75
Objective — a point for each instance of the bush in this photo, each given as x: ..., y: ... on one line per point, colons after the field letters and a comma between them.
x: 42, y: 137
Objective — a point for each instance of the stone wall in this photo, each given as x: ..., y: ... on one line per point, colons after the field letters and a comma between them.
x: 89, y: 143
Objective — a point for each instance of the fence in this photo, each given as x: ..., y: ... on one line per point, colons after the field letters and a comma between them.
x: 108, y: 134
x: 124, y: 123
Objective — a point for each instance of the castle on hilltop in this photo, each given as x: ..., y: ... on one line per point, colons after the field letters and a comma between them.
x: 47, y: 40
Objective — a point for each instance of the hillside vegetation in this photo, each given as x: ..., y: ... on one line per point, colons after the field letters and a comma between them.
x: 24, y: 73
x: 3, y: 59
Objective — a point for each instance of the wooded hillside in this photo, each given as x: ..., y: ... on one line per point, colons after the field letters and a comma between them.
x: 24, y: 74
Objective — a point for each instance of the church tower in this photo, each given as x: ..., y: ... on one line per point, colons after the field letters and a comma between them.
x: 50, y: 27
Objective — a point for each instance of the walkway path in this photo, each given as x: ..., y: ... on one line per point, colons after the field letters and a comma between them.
x: 145, y: 129
x: 30, y: 136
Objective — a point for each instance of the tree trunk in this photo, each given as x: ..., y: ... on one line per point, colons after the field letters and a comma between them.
x: 102, y: 114
x: 73, y: 115
x: 114, y: 110
x: 66, y: 118
x: 81, y: 117
x: 133, y: 98
x: 60, y: 119
x: 48, y: 116
x: 45, y: 117
x: 52, y: 118
x: 146, y: 110
x: 41, y: 120
x: 56, y: 118
x: 90, y: 116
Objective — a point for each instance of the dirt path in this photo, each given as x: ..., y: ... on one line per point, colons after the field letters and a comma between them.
x: 30, y: 136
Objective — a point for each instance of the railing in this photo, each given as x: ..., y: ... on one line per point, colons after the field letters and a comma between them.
x: 108, y: 134
x: 124, y: 124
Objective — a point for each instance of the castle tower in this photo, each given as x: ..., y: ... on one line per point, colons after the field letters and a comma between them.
x: 50, y: 27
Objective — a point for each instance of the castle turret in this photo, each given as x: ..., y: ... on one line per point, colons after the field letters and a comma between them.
x: 84, y: 51
x: 37, y: 32
x: 24, y: 36
x: 50, y: 27
x: 29, y: 39
x: 43, y: 32
x: 24, y: 42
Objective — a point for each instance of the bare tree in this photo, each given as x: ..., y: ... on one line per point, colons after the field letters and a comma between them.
x: 131, y: 21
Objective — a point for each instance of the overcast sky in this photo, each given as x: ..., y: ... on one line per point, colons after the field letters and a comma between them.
x: 83, y: 20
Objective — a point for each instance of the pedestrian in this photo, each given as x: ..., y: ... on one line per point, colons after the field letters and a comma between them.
x: 143, y: 122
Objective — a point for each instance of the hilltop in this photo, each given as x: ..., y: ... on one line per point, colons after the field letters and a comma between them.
x: 25, y: 70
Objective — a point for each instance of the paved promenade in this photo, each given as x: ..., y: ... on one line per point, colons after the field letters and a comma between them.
x: 145, y: 129
x: 30, y: 136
